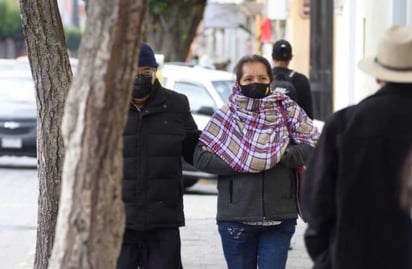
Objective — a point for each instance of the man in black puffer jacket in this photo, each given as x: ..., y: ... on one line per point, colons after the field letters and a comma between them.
x: 159, y: 131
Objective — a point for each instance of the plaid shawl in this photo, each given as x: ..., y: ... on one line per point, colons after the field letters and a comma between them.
x: 250, y: 134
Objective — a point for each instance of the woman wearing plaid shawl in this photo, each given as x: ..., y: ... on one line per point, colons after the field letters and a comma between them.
x: 247, y: 143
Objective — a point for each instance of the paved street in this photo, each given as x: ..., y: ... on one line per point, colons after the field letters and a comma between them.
x: 200, y: 240
x: 18, y: 214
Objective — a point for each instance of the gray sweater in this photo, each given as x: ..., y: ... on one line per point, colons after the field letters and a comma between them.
x: 269, y: 195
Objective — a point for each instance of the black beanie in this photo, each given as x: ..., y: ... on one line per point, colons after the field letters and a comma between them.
x: 146, y: 56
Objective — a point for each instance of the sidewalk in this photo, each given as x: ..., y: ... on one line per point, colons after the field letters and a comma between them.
x: 201, y: 247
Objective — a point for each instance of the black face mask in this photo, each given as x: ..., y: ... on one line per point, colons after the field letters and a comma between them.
x: 142, y: 86
x: 255, y: 90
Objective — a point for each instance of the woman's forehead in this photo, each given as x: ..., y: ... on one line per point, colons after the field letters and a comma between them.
x: 254, y: 68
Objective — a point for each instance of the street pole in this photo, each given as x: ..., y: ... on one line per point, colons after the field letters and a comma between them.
x: 75, y: 14
x: 321, y: 57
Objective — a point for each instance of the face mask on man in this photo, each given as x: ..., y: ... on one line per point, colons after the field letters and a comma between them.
x: 142, y: 86
x: 255, y: 90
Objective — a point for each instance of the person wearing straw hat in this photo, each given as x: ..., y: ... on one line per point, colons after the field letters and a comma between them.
x: 352, y: 186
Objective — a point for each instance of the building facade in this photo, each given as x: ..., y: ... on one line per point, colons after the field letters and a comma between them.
x: 359, y: 26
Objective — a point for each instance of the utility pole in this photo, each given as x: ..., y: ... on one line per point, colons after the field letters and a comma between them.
x: 75, y: 13
x: 321, y: 57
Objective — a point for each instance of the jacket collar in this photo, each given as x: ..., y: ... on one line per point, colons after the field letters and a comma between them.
x: 157, y: 96
x: 395, y: 88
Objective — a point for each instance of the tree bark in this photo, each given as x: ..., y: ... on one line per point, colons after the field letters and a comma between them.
x: 52, y: 76
x: 91, y: 216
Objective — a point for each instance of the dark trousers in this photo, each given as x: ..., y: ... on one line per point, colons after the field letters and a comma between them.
x: 153, y: 249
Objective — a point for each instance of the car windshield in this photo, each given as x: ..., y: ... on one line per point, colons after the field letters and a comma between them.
x: 224, y: 88
x: 196, y: 93
x: 17, y: 90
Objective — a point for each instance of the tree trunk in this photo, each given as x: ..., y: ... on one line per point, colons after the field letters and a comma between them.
x: 52, y: 75
x: 91, y: 216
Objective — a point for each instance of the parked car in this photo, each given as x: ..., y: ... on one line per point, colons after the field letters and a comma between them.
x: 17, y: 114
x: 6, y: 64
x: 207, y: 90
x: 18, y: 111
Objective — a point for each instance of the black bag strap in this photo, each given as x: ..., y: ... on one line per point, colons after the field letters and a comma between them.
x: 285, y: 119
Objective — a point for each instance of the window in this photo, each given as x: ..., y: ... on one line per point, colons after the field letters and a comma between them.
x: 305, y: 8
x: 197, y: 94
x: 224, y: 88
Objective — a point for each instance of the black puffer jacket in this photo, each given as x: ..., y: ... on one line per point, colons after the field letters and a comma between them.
x: 155, y: 139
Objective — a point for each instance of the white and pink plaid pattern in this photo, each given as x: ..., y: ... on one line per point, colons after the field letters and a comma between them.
x: 250, y: 134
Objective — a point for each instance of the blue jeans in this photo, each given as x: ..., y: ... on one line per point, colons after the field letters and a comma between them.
x: 248, y: 246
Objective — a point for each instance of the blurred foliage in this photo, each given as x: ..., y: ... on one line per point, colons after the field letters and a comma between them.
x: 73, y: 38
x: 159, y: 6
x: 171, y: 25
x: 10, y: 23
x: 11, y: 27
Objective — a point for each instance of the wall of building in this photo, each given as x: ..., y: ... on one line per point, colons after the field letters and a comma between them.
x: 373, y: 18
x: 359, y: 26
x: 298, y: 33
x: 409, y: 10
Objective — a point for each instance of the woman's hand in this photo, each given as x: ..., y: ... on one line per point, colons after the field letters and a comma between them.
x: 204, y: 148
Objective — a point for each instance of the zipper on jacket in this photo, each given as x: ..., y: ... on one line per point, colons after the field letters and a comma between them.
x: 231, y: 191
x: 140, y: 151
x: 263, y: 196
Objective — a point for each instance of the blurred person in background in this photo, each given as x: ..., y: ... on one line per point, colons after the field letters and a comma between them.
x: 352, y: 186
x: 281, y: 56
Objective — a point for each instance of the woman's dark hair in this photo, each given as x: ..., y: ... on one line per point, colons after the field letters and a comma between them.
x: 252, y: 59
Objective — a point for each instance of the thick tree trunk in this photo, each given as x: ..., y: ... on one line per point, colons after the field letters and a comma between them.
x: 52, y: 75
x: 91, y: 216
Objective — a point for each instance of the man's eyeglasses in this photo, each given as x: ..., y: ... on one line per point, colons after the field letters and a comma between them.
x: 147, y: 72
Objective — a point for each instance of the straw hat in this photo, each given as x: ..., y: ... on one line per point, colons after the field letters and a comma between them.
x: 393, y: 62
